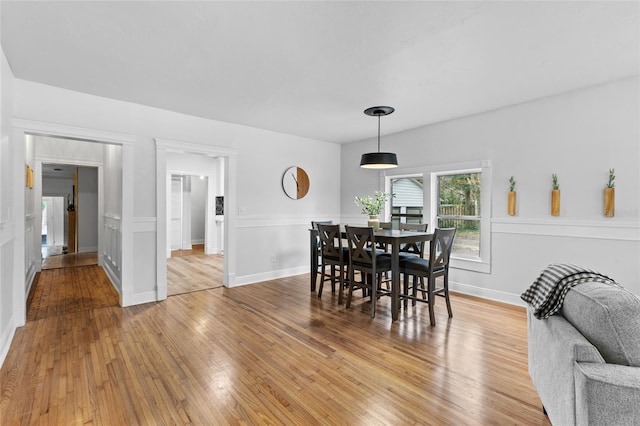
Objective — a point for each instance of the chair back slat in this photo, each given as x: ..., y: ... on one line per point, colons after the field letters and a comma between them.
x: 441, y: 246
x: 359, y: 238
x: 416, y: 248
x: 330, y: 240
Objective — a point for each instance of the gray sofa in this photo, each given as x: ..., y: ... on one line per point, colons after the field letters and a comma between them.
x: 584, y: 361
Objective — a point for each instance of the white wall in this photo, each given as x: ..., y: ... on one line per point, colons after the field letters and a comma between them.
x: 271, y: 226
x: 11, y: 314
x: 579, y: 135
x: 198, y: 209
x: 58, y: 186
x: 87, y: 209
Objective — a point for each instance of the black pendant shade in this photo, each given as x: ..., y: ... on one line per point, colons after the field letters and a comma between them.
x: 379, y: 160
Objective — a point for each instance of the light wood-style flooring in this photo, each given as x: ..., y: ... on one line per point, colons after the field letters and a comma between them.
x: 270, y: 353
x: 192, y: 270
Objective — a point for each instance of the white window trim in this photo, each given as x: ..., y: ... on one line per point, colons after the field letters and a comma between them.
x: 429, y: 173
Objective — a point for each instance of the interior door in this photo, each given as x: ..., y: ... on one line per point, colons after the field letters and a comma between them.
x: 53, y: 228
x: 176, y: 212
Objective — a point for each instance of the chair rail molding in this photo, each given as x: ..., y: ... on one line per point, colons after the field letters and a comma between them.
x: 626, y: 231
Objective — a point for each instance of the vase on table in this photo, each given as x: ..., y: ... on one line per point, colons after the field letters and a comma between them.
x: 374, y: 222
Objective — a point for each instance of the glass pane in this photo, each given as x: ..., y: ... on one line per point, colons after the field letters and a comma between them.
x: 459, y: 195
x: 467, y: 240
x: 407, y: 199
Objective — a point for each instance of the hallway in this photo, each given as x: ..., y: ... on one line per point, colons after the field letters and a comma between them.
x: 62, y: 291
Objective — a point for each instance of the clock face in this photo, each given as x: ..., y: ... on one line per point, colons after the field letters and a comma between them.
x: 295, y: 182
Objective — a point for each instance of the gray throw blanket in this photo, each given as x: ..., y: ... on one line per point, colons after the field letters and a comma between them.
x: 546, y: 294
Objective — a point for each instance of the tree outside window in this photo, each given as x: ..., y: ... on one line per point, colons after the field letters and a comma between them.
x: 459, y: 207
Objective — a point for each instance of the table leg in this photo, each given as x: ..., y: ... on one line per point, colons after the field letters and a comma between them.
x: 395, y: 280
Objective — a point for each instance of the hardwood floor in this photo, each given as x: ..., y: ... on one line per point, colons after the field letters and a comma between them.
x: 62, y: 291
x: 70, y: 260
x: 192, y: 270
x: 271, y: 353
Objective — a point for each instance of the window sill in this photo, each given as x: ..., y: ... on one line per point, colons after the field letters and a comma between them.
x: 474, y: 265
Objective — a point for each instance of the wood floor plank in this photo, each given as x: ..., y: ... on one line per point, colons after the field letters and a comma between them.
x: 268, y: 353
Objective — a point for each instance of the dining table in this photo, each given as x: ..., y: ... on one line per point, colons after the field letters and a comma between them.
x: 394, y: 239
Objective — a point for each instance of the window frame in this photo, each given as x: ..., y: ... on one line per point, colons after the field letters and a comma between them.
x: 429, y: 173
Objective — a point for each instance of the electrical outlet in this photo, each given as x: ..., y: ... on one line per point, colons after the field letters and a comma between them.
x: 242, y: 211
x: 273, y: 258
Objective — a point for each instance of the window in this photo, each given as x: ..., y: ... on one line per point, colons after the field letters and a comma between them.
x: 458, y: 201
x: 454, y: 195
x: 406, y: 203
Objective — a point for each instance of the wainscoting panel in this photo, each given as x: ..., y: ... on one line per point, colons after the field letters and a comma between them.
x: 7, y: 319
x: 112, y: 249
x: 32, y: 252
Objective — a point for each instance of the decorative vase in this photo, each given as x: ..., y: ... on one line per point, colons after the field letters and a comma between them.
x: 374, y: 222
x: 609, y: 202
x: 555, y: 202
x: 511, y: 206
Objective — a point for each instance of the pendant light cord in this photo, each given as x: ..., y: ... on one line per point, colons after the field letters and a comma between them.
x: 378, y: 132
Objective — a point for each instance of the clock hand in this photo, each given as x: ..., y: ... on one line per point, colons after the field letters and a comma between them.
x: 294, y: 178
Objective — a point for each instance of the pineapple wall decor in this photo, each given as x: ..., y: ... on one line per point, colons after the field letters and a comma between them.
x: 555, y: 196
x: 610, y: 195
x: 511, y: 205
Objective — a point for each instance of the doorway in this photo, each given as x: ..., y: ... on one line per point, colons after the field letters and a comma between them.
x: 70, y: 213
x: 193, y: 264
x: 53, y: 226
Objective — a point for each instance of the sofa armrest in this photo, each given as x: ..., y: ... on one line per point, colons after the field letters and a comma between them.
x: 607, y: 394
x: 554, y: 348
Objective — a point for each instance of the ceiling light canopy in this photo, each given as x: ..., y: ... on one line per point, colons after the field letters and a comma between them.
x: 379, y: 160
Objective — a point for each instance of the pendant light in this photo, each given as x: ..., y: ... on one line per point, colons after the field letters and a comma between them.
x: 379, y: 160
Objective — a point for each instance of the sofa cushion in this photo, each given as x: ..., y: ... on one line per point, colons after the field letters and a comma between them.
x: 609, y: 317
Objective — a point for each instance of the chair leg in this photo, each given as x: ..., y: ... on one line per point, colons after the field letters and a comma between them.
x: 430, y: 289
x: 341, y: 285
x: 374, y: 293
x: 333, y: 278
x: 414, y: 279
x: 321, y: 280
x: 405, y: 288
x: 352, y: 280
x: 446, y: 294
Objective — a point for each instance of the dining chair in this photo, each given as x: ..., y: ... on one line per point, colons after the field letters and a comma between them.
x: 334, y: 255
x: 411, y: 250
x: 314, y: 226
x: 436, y: 266
x: 368, y: 262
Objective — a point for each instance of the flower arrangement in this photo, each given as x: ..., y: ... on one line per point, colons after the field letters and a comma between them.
x: 372, y: 205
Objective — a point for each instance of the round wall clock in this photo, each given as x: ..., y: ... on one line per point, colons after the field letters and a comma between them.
x: 295, y: 182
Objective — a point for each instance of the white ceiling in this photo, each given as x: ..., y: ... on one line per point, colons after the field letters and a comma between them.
x: 311, y: 68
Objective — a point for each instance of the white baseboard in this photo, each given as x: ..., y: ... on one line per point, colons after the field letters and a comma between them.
x: 485, y: 293
x: 31, y: 275
x: 6, y: 337
x: 147, y: 297
x: 87, y: 249
x: 267, y: 276
x: 115, y: 281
